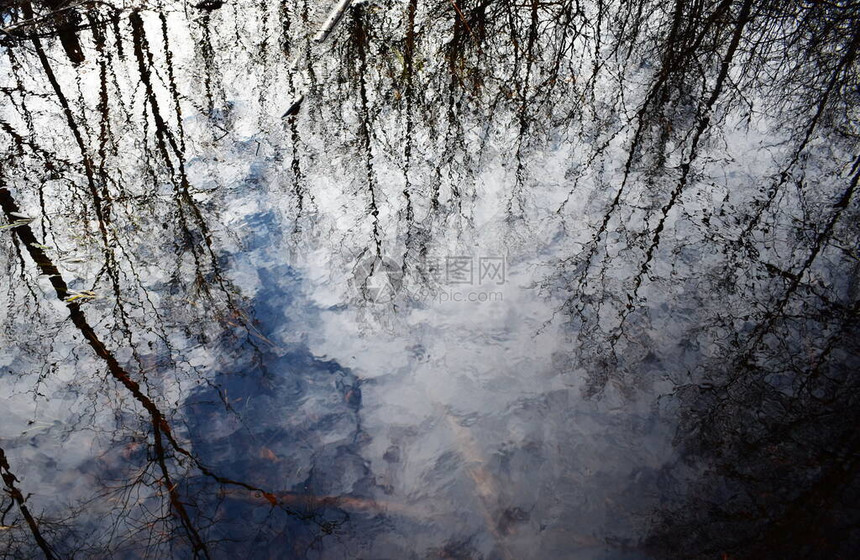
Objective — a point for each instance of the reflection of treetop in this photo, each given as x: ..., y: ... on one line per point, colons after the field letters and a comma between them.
x: 677, y: 178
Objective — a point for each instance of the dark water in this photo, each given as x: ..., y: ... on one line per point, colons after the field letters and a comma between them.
x: 464, y: 280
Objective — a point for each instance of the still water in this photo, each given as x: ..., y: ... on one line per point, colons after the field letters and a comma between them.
x: 408, y: 291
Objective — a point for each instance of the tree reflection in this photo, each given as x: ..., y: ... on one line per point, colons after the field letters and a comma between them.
x: 684, y: 173
x: 18, y: 501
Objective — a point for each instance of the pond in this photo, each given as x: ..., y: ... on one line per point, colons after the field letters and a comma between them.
x: 448, y: 279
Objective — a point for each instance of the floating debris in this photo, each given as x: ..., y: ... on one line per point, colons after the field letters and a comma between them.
x: 294, y: 106
x: 83, y: 295
x: 333, y: 19
x: 17, y: 223
x: 209, y: 5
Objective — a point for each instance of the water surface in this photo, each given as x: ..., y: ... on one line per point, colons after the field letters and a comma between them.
x: 465, y: 280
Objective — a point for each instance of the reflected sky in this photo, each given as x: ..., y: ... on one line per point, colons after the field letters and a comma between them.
x: 472, y: 280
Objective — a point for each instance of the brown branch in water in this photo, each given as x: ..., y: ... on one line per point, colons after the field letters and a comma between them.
x: 160, y: 425
x: 159, y: 422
